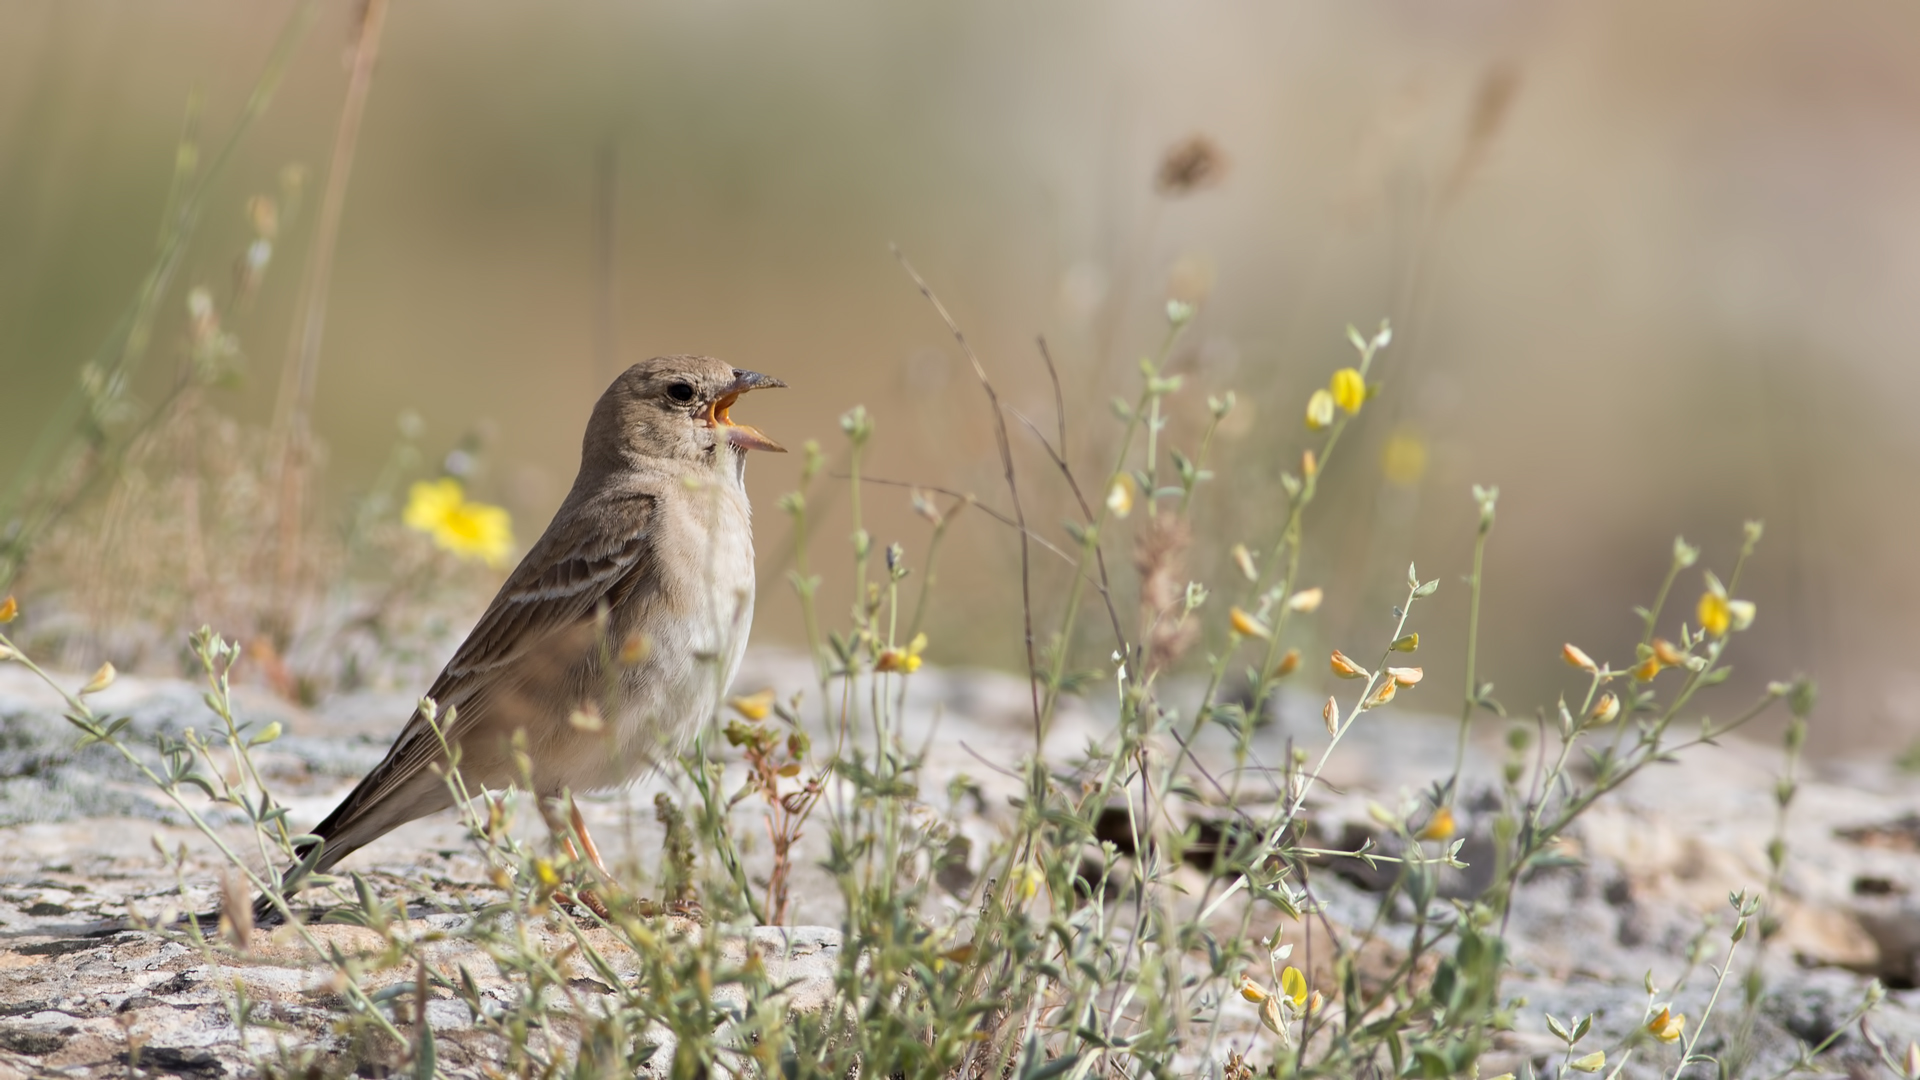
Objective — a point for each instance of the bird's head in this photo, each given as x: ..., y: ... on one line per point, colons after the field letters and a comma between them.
x: 675, y: 408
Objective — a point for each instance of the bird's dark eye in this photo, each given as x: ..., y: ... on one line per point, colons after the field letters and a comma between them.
x: 680, y: 391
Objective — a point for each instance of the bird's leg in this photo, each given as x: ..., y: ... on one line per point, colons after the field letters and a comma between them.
x: 586, y: 897
x: 586, y: 838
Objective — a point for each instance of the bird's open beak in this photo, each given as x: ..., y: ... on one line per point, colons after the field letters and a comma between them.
x: 744, y: 436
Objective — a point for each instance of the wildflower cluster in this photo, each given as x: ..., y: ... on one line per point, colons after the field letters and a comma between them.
x: 1138, y: 897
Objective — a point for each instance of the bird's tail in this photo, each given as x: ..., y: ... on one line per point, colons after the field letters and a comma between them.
x: 352, y: 825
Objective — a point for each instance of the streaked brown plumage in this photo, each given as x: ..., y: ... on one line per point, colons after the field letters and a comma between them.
x: 651, y: 553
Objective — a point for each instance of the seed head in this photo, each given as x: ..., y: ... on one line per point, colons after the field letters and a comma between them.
x: 1190, y: 165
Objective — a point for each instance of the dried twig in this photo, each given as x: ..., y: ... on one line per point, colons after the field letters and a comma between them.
x: 302, y: 370
x: 1013, y: 484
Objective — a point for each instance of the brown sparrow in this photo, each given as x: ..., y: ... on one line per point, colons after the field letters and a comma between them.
x: 617, y: 634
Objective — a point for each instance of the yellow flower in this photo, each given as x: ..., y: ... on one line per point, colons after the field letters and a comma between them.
x: 1349, y: 389
x: 1251, y: 990
x: 1668, y: 1026
x: 9, y: 610
x: 753, y: 706
x: 430, y: 501
x: 1027, y: 881
x: 1404, y: 459
x: 1715, y: 614
x: 1319, y: 410
x: 905, y: 661
x: 1293, y: 986
x: 471, y: 530
x: 1647, y: 669
x: 1439, y: 827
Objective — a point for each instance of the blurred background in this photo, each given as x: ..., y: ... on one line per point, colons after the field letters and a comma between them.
x: 1650, y: 266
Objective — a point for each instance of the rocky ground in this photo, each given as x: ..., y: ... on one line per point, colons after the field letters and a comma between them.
x: 78, y: 836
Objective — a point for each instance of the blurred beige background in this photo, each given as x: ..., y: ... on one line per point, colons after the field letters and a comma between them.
x: 1651, y: 267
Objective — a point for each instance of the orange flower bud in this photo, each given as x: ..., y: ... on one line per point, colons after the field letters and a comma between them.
x: 1605, y: 710
x: 1668, y: 1026
x: 1382, y: 694
x: 1575, y: 658
x: 1346, y: 668
x: 1246, y: 625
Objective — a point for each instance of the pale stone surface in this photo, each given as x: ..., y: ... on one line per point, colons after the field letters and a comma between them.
x: 76, y: 835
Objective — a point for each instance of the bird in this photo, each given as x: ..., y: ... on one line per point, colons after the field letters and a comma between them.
x: 614, y: 638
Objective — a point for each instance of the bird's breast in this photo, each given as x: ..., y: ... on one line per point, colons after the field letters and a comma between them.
x: 695, y: 623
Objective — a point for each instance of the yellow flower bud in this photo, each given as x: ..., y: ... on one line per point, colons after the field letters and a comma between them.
x: 1309, y: 464
x: 9, y: 610
x: 635, y: 649
x: 1306, y: 599
x: 1287, y: 663
x: 1251, y: 990
x: 1346, y: 668
x: 1664, y: 651
x: 1270, y: 1015
x: 1319, y: 410
x: 1740, y: 614
x: 102, y: 678
x: 1120, y: 495
x: 1439, y: 827
x: 1668, y: 1026
x: 1331, y: 714
x: 1349, y: 389
x: 1647, y: 669
x: 1243, y: 559
x: 1592, y: 1063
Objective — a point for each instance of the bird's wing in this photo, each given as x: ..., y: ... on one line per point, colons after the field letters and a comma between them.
x: 536, y: 624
